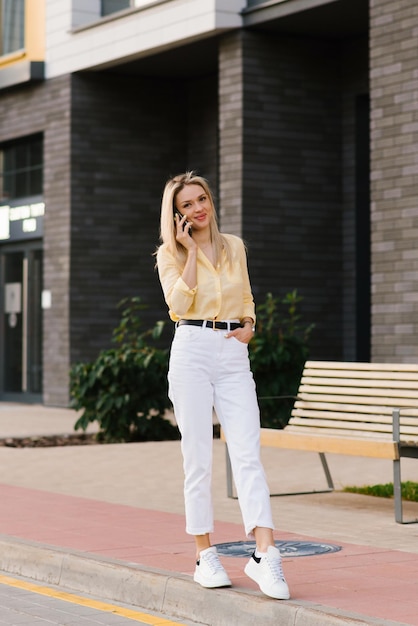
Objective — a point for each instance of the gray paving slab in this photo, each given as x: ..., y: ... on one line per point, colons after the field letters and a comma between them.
x: 25, y: 420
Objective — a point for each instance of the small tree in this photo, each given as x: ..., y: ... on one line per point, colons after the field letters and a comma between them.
x: 125, y: 388
x: 278, y: 353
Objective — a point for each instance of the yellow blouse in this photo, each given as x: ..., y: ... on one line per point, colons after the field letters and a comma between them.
x: 222, y: 293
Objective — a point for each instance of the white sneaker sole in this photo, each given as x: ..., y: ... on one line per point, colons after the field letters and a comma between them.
x: 251, y: 573
x: 211, y: 584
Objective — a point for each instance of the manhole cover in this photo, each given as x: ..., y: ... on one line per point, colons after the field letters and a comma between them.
x: 287, y: 548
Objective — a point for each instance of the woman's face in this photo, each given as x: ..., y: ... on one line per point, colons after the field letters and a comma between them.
x: 193, y: 202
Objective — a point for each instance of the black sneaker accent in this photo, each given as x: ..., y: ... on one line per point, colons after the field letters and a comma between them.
x: 198, y: 562
x: 257, y: 559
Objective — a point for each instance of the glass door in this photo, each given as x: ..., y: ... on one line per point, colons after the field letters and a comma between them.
x: 21, y: 324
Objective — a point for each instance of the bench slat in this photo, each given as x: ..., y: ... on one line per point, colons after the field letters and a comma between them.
x: 352, y: 400
x: 356, y: 383
x: 367, y: 393
x: 406, y: 411
x: 362, y: 427
x: 341, y: 425
x: 411, y: 442
x: 409, y: 412
x: 362, y: 375
x: 344, y: 408
x: 334, y: 431
x: 358, y: 367
x: 306, y: 414
x: 338, y: 445
x: 408, y: 440
x: 324, y: 430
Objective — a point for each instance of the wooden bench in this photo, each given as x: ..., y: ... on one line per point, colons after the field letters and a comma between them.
x: 360, y: 409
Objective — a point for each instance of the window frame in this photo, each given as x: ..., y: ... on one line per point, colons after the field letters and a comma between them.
x: 9, y: 175
x: 19, y: 26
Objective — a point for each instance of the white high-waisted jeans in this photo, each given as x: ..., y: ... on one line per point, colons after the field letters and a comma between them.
x: 208, y: 371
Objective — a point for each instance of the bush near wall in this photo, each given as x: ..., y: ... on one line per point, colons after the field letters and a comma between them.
x: 125, y: 389
x: 278, y: 352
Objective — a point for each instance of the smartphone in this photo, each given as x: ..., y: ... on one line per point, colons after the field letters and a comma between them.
x: 180, y: 216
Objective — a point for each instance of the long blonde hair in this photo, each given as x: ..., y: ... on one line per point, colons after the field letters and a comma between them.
x: 167, y: 225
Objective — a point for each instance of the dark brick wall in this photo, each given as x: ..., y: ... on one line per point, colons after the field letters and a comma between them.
x: 291, y: 176
x: 128, y: 136
x: 45, y: 108
x: 202, y: 128
x: 57, y: 245
x: 230, y: 132
x: 354, y: 84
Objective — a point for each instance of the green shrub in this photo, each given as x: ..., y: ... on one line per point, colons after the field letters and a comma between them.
x: 125, y: 388
x: 409, y: 490
x: 278, y: 352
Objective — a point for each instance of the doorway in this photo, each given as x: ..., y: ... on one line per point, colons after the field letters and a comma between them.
x: 21, y: 323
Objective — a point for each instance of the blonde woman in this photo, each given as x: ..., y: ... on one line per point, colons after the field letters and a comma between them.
x: 206, y: 286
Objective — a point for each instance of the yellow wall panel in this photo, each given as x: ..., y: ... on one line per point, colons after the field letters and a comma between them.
x: 35, y: 29
x: 34, y: 48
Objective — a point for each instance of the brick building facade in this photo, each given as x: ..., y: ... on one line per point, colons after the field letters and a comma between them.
x: 394, y: 179
x: 301, y: 113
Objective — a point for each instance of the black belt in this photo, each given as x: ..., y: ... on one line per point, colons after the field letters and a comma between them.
x: 211, y: 324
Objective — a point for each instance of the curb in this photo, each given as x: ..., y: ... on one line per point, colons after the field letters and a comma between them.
x: 161, y: 591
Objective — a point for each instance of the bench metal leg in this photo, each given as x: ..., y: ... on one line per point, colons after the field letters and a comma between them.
x: 397, y: 483
x: 397, y: 491
x: 230, y: 485
x: 326, y: 471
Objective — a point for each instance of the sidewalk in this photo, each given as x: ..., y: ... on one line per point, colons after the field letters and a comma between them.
x: 108, y: 520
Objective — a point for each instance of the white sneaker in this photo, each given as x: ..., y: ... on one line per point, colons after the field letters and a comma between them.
x: 209, y: 571
x: 267, y: 572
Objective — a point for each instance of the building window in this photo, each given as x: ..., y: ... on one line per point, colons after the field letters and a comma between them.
x: 112, y: 6
x: 21, y: 169
x: 85, y: 13
x: 12, y: 26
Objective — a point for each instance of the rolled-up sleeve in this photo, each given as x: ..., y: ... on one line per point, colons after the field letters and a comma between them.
x: 178, y: 296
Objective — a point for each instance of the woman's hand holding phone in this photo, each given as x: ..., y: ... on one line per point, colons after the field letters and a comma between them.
x: 184, y: 230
